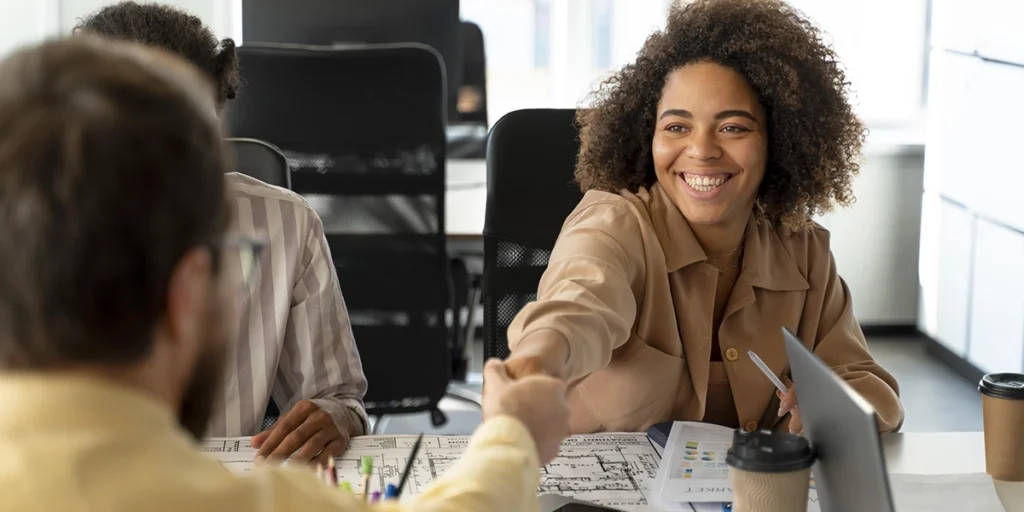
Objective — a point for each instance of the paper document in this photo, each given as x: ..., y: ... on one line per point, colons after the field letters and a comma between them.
x: 972, y: 492
x: 694, y: 471
x: 614, y: 470
x: 694, y: 468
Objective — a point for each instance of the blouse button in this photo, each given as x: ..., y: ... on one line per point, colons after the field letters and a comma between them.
x: 732, y: 354
x: 750, y: 426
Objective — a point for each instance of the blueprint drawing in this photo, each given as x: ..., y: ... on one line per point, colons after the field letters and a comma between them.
x: 615, y: 470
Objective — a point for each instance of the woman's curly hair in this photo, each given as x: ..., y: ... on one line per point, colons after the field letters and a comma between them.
x: 814, y: 137
x: 175, y: 31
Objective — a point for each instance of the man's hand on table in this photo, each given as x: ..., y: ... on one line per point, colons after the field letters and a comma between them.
x: 306, y: 434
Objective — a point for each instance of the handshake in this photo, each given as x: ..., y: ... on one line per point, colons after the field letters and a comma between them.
x: 538, y: 401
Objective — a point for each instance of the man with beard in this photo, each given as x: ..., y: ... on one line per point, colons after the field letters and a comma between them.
x: 116, y: 305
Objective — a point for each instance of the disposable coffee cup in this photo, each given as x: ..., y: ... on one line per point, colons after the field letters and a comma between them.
x: 770, y: 472
x: 1002, y: 407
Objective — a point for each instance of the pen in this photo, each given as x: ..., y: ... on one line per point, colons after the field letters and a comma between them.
x: 332, y: 473
x: 767, y: 372
x: 408, y: 466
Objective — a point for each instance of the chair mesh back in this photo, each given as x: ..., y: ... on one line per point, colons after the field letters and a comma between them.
x: 363, y: 130
x: 513, y: 279
x: 531, y: 157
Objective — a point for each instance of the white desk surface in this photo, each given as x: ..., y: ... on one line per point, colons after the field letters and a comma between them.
x: 947, y: 453
x: 465, y: 200
x: 941, y: 453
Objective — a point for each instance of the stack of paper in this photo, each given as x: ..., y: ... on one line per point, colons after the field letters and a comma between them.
x: 693, y: 473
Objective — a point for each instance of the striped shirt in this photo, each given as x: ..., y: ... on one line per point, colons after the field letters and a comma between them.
x: 295, y: 340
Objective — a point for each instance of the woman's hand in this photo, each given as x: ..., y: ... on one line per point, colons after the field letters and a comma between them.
x: 524, y: 366
x: 542, y: 353
x: 537, y: 401
x: 788, y: 405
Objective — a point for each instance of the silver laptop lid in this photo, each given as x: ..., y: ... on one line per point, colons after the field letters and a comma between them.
x: 850, y: 474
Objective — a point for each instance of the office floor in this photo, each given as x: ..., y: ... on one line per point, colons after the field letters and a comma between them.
x: 936, y: 398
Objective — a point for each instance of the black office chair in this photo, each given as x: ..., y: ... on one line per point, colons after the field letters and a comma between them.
x: 261, y: 160
x: 364, y: 130
x: 474, y: 70
x: 531, y: 156
x: 467, y: 136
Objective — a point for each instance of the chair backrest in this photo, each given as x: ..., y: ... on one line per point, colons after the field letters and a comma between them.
x: 261, y: 160
x: 364, y: 130
x: 328, y: 22
x: 474, y: 70
x: 531, y: 156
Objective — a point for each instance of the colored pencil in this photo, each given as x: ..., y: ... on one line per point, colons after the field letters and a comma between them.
x: 366, y: 468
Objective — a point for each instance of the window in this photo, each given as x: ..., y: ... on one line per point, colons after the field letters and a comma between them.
x: 602, y: 33
x: 882, y: 44
x: 542, y: 34
x: 551, y: 53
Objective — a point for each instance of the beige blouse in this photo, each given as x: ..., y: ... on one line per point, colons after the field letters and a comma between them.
x: 630, y: 289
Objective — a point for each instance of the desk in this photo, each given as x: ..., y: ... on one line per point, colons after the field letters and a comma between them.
x: 465, y: 200
x: 947, y: 453
x: 941, y: 453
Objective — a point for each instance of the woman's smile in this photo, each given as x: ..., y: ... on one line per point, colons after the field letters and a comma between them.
x: 704, y: 186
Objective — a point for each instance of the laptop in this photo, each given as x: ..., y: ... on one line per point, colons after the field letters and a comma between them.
x: 850, y: 473
x: 557, y: 503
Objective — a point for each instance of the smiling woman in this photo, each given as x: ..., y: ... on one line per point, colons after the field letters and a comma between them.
x: 703, y: 163
x: 710, y: 144
x: 764, y: 52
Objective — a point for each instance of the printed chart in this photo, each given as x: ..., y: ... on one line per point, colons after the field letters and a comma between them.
x: 703, y: 457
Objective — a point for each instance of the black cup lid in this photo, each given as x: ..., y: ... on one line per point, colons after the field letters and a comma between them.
x: 767, y: 452
x: 1003, y: 385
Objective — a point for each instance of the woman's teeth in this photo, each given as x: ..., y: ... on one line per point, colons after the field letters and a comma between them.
x: 704, y: 183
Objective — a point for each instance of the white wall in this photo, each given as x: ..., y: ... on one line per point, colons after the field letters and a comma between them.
x: 222, y: 16
x: 24, y: 22
x: 972, y: 236
x: 875, y: 241
x: 28, y: 21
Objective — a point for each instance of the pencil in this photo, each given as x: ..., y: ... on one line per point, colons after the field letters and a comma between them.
x: 332, y: 473
x: 408, y: 465
x: 367, y: 470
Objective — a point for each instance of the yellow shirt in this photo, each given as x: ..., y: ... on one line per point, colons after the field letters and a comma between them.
x: 629, y: 288
x: 73, y: 444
